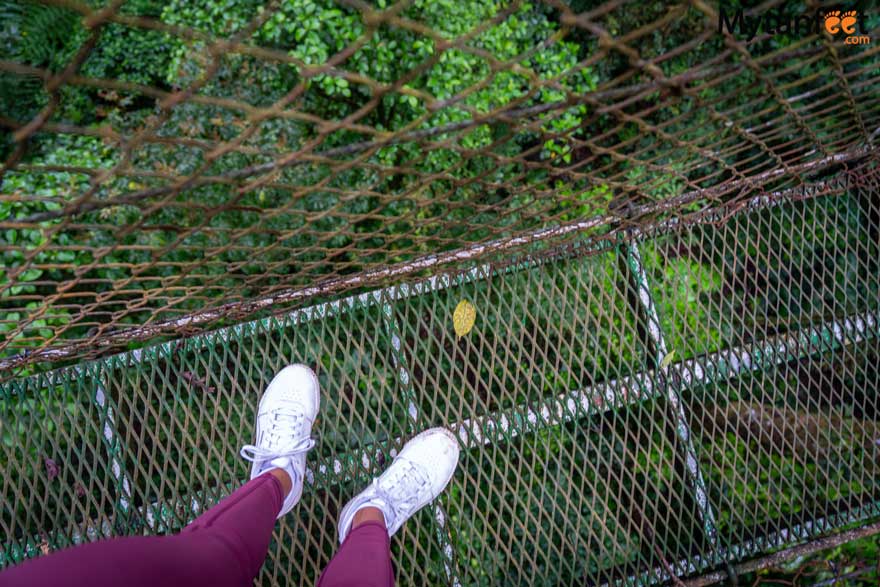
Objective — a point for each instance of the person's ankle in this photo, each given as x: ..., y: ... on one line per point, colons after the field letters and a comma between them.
x: 367, y: 514
x: 284, y: 479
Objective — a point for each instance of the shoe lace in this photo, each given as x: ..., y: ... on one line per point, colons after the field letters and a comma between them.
x: 285, y: 423
x: 401, y: 489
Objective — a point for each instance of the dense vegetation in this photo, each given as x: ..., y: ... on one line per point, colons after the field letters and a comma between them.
x: 311, y: 32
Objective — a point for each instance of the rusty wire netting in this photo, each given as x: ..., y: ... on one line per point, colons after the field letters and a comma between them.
x: 672, y: 250
x: 224, y: 203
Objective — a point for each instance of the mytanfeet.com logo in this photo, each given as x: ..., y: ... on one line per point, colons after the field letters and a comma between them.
x: 837, y: 22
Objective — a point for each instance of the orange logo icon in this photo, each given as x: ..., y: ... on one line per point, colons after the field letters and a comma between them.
x: 835, y: 22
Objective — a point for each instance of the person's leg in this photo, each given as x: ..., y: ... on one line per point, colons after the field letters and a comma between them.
x: 364, y: 559
x: 227, y: 544
x: 223, y: 547
x: 419, y: 474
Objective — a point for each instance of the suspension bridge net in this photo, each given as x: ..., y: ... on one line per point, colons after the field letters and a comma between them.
x: 668, y: 233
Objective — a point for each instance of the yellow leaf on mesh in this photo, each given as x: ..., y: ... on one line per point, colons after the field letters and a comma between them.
x: 667, y: 359
x: 464, y: 317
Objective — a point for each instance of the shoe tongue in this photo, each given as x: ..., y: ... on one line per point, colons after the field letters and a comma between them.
x: 283, y: 463
x: 280, y: 462
x: 276, y: 463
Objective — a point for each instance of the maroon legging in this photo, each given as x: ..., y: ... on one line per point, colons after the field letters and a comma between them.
x: 225, y: 546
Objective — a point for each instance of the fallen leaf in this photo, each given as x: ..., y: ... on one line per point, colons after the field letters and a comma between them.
x: 51, y: 468
x: 464, y: 317
x: 193, y: 380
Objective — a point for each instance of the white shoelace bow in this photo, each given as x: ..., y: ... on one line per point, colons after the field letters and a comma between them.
x: 282, y: 423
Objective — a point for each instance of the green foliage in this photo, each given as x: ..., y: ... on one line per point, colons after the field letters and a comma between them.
x: 533, y: 64
x: 688, y: 290
x: 658, y: 185
x: 31, y: 34
x: 853, y: 564
x: 766, y: 273
x: 312, y: 31
x: 48, y: 37
x: 584, y: 203
x: 40, y: 192
x: 131, y: 55
x: 38, y: 34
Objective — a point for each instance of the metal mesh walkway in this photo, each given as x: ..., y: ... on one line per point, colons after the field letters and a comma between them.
x: 669, y: 229
x: 663, y: 400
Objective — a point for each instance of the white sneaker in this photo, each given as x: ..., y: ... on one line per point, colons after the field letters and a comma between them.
x: 418, y: 474
x: 284, y: 422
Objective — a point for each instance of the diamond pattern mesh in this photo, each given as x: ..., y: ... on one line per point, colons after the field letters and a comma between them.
x: 659, y: 402
x: 670, y: 236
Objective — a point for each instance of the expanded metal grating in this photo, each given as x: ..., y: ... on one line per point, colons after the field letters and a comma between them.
x: 657, y: 402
